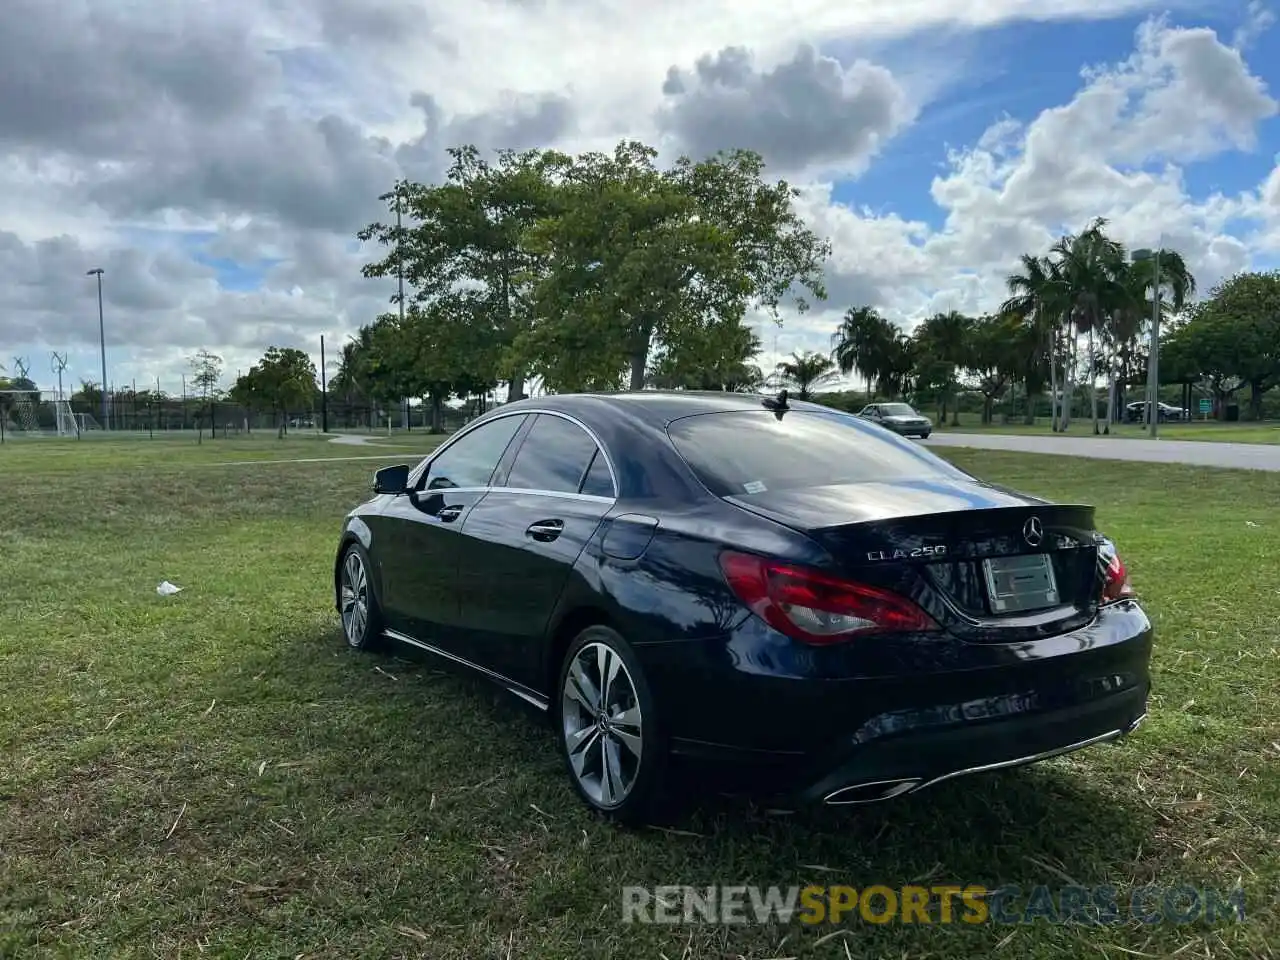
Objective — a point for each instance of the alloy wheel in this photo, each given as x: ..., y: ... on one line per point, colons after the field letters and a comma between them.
x: 603, y: 726
x: 355, y: 598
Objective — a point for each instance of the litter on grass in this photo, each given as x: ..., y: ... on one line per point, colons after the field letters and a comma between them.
x: 167, y: 589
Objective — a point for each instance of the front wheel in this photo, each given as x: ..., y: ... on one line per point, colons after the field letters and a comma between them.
x: 610, y: 733
x: 925, y: 435
x: 357, y: 602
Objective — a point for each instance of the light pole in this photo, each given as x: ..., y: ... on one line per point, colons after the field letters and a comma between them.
x: 102, y: 344
x: 1153, y: 354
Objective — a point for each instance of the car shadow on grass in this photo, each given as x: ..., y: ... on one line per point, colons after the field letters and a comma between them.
x: 420, y: 735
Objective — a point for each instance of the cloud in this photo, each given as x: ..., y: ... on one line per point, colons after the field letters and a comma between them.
x: 806, y: 112
x: 1117, y: 149
x: 184, y: 147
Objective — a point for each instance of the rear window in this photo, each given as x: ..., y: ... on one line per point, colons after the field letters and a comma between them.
x: 740, y: 453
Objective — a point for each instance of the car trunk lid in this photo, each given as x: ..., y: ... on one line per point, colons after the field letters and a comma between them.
x: 990, y: 565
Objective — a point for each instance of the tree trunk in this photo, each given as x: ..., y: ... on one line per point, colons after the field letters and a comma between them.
x: 1256, y: 390
x: 437, y: 414
x: 1093, y: 384
x: 515, y: 388
x: 1068, y: 375
x: 1054, y: 395
x: 1112, y: 387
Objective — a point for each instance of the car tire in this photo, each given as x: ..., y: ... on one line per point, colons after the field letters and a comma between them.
x: 357, y: 601
x: 925, y: 435
x: 614, y: 748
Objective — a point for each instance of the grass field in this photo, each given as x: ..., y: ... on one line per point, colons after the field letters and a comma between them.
x: 1197, y: 430
x: 216, y: 775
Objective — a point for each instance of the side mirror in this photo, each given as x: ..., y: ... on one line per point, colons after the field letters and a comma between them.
x: 392, y: 480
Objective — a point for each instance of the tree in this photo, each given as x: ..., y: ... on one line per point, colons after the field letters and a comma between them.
x: 1090, y: 268
x: 996, y: 355
x: 639, y: 259
x: 719, y: 359
x: 465, y: 243
x: 1238, y: 329
x: 867, y: 342
x: 806, y: 372
x: 943, y: 349
x: 206, y: 371
x: 283, y: 380
x: 1040, y: 298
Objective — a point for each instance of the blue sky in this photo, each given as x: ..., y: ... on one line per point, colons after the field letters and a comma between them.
x: 1022, y: 69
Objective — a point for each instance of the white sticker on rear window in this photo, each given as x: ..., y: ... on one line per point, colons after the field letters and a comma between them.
x: 754, y: 486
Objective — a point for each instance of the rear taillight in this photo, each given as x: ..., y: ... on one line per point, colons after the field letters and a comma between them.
x: 816, y: 607
x: 1115, y: 578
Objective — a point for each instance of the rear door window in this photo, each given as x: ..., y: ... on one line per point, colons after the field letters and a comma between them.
x: 553, y: 457
x: 739, y: 453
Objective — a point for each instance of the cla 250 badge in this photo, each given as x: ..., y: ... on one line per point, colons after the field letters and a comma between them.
x: 916, y: 554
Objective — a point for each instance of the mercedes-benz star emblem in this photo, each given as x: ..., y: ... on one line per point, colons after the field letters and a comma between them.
x: 1033, y: 531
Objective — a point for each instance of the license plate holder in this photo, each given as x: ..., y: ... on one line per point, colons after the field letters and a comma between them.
x: 1022, y: 583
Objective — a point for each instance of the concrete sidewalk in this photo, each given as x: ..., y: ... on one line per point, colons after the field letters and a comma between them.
x: 1204, y: 453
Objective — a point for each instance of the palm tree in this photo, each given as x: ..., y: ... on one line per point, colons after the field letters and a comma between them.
x: 863, y: 342
x: 1039, y: 298
x: 805, y: 371
x: 1132, y: 314
x: 1090, y: 265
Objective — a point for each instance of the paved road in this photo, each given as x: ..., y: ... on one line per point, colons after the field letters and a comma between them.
x: 1205, y: 453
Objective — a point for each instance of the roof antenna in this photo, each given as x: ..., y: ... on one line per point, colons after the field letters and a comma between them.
x: 777, y: 404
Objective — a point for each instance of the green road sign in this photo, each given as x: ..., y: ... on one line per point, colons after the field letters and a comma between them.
x: 1205, y: 404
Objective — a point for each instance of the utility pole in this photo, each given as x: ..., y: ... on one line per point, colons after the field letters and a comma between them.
x: 102, y: 343
x: 324, y: 391
x: 397, y: 194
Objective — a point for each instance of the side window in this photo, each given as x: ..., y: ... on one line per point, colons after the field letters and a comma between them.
x: 554, y: 455
x: 598, y: 482
x: 470, y: 461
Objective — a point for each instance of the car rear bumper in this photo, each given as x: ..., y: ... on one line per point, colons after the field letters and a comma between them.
x: 897, y: 766
x: 911, y: 762
x: 864, y: 739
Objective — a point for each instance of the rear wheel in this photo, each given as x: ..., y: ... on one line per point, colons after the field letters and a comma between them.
x: 357, y: 603
x: 610, y: 733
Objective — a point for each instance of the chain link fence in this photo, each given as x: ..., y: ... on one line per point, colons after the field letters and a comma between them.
x: 30, y: 414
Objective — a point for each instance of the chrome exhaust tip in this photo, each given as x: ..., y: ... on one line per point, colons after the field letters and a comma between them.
x: 870, y: 792
x: 1135, y: 725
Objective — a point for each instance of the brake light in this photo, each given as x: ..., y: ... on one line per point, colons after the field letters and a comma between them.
x: 1115, y: 578
x: 815, y: 607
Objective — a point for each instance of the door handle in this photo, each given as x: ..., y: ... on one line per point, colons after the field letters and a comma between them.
x: 450, y: 513
x: 545, y: 530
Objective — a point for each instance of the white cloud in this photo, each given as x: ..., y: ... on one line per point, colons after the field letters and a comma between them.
x: 1116, y: 150
x: 264, y: 132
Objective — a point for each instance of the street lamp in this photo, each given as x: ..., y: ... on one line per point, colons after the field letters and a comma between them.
x: 102, y: 343
x: 1153, y: 355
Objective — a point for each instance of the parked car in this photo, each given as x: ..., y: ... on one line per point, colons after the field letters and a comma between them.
x: 899, y: 417
x: 1136, y: 412
x: 786, y: 595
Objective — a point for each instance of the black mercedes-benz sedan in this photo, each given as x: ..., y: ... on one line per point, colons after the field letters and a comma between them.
x: 767, y: 588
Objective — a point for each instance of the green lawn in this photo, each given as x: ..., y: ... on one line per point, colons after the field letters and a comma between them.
x: 1268, y: 432
x: 215, y: 775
